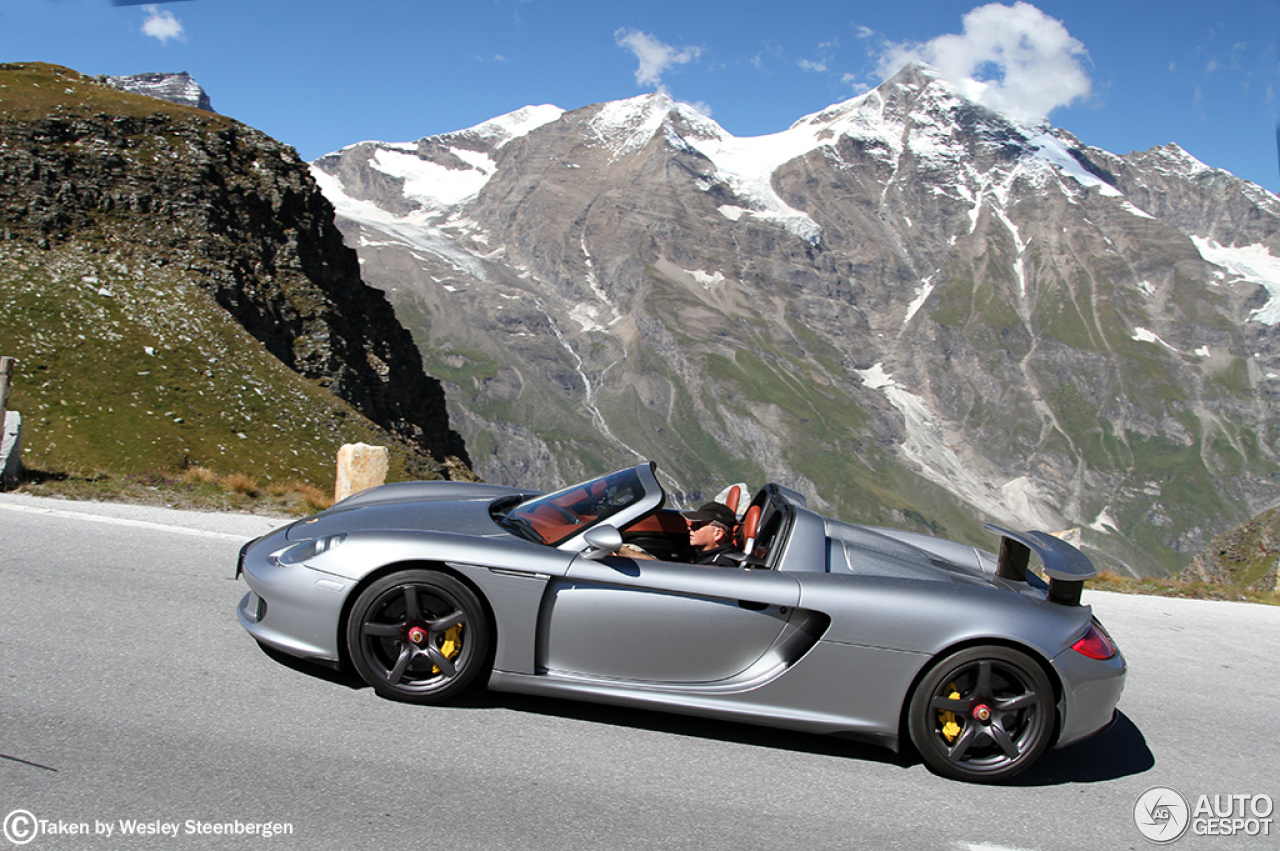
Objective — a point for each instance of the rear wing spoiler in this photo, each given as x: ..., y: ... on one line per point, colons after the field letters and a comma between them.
x: 1066, y: 567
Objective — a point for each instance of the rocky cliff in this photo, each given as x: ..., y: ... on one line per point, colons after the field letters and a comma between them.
x: 1245, y: 556
x: 913, y: 309
x: 83, y: 164
x: 180, y: 88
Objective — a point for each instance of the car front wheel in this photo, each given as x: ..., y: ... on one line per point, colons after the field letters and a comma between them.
x: 418, y: 636
x: 982, y: 714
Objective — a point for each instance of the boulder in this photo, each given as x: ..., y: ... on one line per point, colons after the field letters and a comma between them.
x: 360, y: 467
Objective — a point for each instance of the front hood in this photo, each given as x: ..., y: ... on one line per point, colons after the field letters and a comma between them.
x: 457, y: 516
x: 425, y: 492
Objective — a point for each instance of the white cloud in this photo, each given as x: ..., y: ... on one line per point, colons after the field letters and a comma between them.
x: 162, y: 24
x: 856, y: 83
x: 655, y: 56
x: 824, y: 52
x: 1015, y: 59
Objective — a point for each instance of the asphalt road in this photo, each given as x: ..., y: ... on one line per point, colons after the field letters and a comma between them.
x: 129, y: 695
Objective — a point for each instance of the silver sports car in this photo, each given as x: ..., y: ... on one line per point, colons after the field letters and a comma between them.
x: 426, y: 587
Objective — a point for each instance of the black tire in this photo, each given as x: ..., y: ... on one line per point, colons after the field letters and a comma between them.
x: 982, y: 714
x: 418, y: 636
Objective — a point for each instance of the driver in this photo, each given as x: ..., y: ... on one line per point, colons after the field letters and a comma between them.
x: 711, y: 534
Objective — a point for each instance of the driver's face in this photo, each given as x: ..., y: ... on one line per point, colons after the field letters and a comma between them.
x: 704, y: 536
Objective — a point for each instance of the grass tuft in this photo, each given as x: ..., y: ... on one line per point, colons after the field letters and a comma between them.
x: 241, y: 484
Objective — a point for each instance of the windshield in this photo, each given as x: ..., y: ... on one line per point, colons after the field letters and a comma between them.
x: 554, y: 518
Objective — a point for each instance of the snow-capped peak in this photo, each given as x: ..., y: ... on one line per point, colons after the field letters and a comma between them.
x: 626, y: 126
x: 916, y: 113
x: 1172, y: 159
x: 434, y: 179
x: 503, y: 129
x: 912, y: 79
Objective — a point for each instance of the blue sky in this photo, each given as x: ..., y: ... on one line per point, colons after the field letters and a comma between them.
x: 321, y: 74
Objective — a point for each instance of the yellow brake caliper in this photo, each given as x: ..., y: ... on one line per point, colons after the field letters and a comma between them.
x: 451, y: 645
x: 950, y: 726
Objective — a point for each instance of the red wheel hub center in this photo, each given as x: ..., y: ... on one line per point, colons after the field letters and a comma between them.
x: 417, y: 635
x: 982, y: 713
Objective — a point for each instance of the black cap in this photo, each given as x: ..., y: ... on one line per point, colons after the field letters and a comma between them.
x: 713, y: 512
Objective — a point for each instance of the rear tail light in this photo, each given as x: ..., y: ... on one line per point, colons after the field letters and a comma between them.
x: 1095, y: 643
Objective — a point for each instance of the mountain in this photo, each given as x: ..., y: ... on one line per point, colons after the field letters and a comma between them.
x: 178, y: 88
x: 913, y: 309
x: 176, y: 293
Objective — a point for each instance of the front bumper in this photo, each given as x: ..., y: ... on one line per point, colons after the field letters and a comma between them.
x: 292, y: 608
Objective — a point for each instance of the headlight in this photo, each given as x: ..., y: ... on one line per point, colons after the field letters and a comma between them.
x: 298, y: 553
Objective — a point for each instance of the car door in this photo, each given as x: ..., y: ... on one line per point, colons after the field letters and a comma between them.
x: 661, y: 622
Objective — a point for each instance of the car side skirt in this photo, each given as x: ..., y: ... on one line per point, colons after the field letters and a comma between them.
x: 797, y: 697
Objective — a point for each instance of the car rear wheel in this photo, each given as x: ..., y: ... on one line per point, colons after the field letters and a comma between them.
x: 418, y: 636
x: 982, y: 714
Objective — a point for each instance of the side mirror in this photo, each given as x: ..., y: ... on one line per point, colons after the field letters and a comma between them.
x: 601, y: 541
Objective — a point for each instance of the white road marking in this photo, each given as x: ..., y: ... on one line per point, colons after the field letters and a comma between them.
x: 121, y: 521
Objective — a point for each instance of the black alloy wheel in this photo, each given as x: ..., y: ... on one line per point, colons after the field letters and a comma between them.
x: 982, y: 714
x: 418, y: 636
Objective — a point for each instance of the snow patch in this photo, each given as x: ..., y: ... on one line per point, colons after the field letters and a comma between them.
x: 707, y: 279
x: 1052, y: 150
x: 927, y: 444
x: 434, y: 185
x: 515, y: 125
x: 1252, y: 263
x: 1019, y: 265
x: 1137, y: 211
x: 922, y: 295
x: 747, y: 167
x: 587, y: 316
x: 876, y: 377
x: 593, y: 281
x: 1104, y: 522
x: 1142, y: 335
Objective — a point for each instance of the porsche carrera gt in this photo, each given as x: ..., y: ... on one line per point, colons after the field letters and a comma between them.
x: 425, y: 588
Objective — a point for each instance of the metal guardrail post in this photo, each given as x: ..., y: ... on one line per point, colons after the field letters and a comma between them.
x: 6, y: 372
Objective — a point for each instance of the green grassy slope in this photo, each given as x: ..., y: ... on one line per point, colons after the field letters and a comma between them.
x: 125, y: 366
